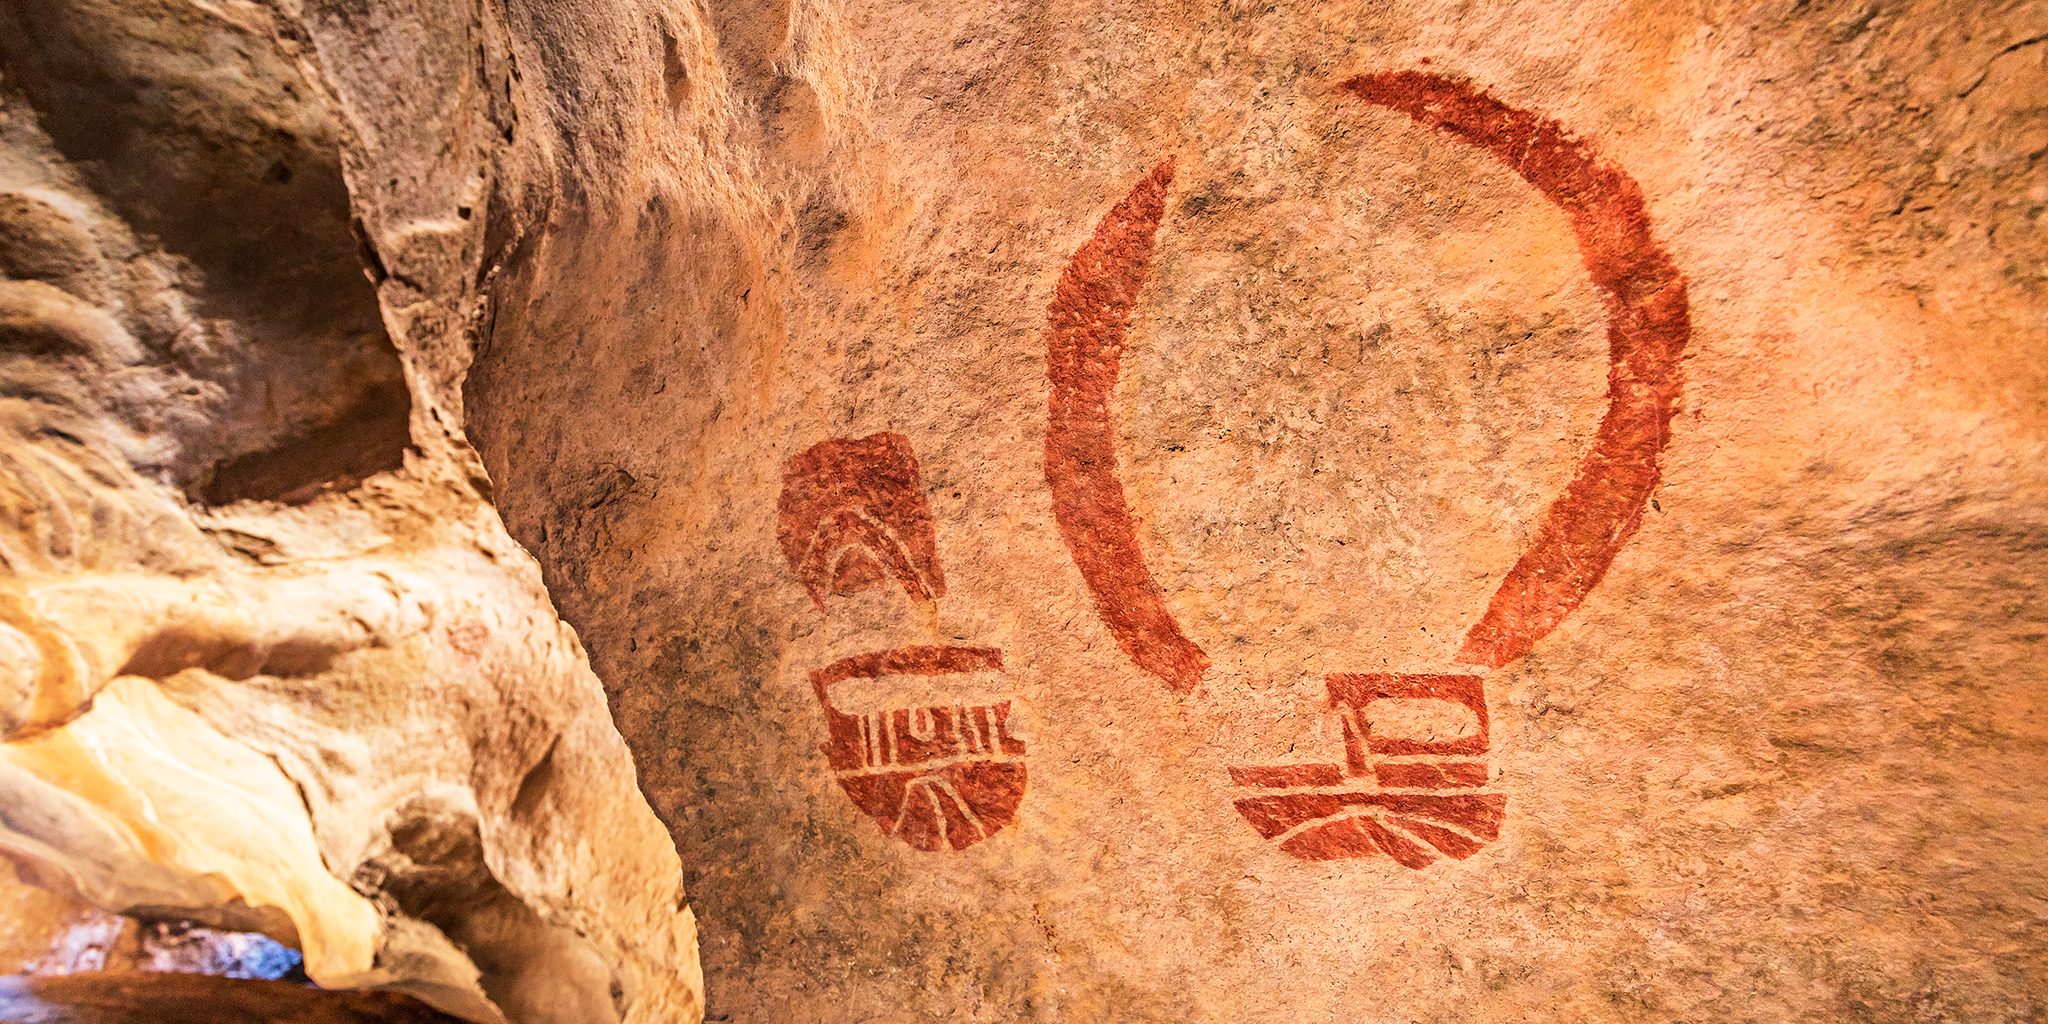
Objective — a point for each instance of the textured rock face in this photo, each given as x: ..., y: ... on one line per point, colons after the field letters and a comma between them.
x: 1248, y: 513
x: 271, y: 663
x: 1559, y: 532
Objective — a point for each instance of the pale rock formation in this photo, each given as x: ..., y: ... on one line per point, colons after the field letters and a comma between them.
x: 271, y: 663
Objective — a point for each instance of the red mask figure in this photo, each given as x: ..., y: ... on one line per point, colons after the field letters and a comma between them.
x: 934, y: 777
x: 853, y: 514
x: 918, y: 737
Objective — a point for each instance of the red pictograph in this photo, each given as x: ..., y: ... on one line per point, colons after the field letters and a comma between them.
x: 1341, y: 823
x: 1648, y: 325
x: 1084, y: 343
x: 1396, y: 792
x: 918, y: 737
x: 1409, y: 798
x: 936, y: 777
x: 1357, y: 692
x: 853, y: 513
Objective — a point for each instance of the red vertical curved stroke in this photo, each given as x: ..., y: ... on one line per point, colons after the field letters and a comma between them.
x: 1647, y: 329
x: 1084, y: 343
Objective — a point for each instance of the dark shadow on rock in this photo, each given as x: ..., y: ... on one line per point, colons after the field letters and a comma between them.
x: 202, y: 134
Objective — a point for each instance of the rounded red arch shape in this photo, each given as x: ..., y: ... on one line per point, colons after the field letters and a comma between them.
x: 1648, y: 325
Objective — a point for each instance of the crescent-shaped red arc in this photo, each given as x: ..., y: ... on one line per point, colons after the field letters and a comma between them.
x: 1648, y: 325
x: 1084, y: 344
x: 1647, y: 329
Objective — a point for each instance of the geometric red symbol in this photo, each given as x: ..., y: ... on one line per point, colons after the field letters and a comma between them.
x: 1579, y: 535
x: 1389, y: 795
x: 933, y: 774
x: 1415, y: 829
x: 853, y: 513
x: 1357, y: 692
x: 1648, y: 326
x: 918, y: 737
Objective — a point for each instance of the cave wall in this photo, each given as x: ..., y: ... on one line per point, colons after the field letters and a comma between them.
x: 1673, y: 371
x: 269, y: 663
x: 1250, y: 512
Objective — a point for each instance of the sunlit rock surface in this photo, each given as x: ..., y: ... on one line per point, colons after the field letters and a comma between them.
x: 199, y: 999
x: 816, y: 358
x: 269, y: 663
x: 1250, y: 512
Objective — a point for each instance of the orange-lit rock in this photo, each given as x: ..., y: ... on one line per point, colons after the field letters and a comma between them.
x: 1254, y: 513
x: 268, y: 660
x: 1750, y: 768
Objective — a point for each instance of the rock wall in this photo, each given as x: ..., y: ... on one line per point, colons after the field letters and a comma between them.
x: 1291, y: 512
x: 1244, y: 512
x: 272, y: 663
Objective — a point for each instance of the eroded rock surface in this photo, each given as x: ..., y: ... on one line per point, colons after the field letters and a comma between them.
x: 271, y: 663
x: 1274, y: 512
x: 199, y: 999
x: 1065, y: 499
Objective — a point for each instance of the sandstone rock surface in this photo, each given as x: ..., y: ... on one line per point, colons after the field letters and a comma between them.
x: 1778, y: 762
x: 271, y: 663
x: 1250, y: 512
x: 199, y: 999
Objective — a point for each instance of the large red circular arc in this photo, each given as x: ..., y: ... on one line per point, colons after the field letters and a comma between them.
x: 1647, y: 329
